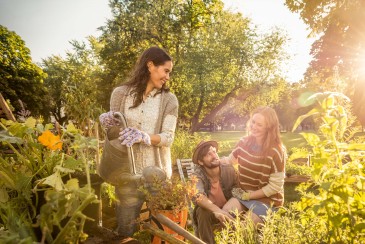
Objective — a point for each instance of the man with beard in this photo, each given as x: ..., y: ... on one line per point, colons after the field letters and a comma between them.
x: 214, y: 185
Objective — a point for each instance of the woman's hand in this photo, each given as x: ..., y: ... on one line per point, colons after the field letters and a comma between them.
x: 108, y: 120
x: 130, y: 136
x: 240, y: 194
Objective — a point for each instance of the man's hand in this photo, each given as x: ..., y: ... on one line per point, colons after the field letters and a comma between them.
x: 222, y: 216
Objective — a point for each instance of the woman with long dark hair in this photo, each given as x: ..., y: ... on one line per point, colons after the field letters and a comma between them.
x: 151, y: 113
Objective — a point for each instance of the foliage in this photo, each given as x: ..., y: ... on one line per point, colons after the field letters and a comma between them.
x: 170, y: 194
x: 337, y: 174
x: 20, y: 78
x: 184, y: 144
x: 216, y: 54
x: 40, y: 201
x: 294, y: 169
x: 291, y: 226
x: 72, y: 84
x: 238, y: 231
x: 339, y: 52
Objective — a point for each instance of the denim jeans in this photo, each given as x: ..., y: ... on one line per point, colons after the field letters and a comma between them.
x: 128, y: 208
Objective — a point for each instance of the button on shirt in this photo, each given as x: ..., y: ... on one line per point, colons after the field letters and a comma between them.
x: 144, y: 117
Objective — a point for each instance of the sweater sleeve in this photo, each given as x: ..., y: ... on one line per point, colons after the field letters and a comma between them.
x: 277, y: 175
x: 169, y: 121
x: 276, y: 183
x: 116, y: 99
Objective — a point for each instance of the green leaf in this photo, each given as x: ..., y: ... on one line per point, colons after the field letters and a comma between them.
x: 30, y: 122
x: 54, y: 180
x: 4, y: 196
x: 311, y: 138
x: 360, y: 227
x: 7, y: 180
x: 326, y: 185
x: 72, y: 163
x: 72, y: 184
x: 356, y: 146
x: 303, y: 117
x: 6, y: 137
x: 72, y: 129
x: 63, y: 170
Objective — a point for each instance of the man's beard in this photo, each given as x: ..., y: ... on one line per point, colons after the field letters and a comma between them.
x: 212, y: 165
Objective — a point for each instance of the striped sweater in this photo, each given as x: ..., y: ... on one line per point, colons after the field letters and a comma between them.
x: 255, y: 173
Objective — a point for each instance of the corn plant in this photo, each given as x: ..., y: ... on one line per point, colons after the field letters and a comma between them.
x: 338, y: 173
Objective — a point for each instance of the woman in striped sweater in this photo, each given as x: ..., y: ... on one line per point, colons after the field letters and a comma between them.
x: 261, y: 160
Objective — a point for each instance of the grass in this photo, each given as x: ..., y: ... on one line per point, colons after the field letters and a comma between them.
x: 226, y: 140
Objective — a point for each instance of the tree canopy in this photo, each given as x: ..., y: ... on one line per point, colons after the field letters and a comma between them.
x: 217, y: 54
x: 21, y: 79
x: 339, y: 52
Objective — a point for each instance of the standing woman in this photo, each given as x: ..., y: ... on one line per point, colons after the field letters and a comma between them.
x: 151, y: 112
x: 261, y: 160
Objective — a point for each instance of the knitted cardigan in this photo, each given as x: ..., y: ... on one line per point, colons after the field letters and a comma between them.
x: 168, y: 106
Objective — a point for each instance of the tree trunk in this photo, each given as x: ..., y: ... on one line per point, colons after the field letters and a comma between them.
x: 196, y: 125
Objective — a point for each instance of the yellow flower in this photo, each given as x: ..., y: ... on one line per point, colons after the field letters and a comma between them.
x: 50, y: 141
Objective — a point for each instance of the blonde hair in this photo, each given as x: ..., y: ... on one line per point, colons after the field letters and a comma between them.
x: 272, y: 135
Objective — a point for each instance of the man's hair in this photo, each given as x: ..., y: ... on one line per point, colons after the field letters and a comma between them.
x: 203, y: 152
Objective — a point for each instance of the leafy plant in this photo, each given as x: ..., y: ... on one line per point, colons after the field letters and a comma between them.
x: 238, y: 231
x: 338, y: 174
x: 40, y: 201
x: 289, y: 225
x: 170, y: 194
x: 294, y: 169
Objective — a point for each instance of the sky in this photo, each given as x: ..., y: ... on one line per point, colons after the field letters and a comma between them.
x: 47, y: 26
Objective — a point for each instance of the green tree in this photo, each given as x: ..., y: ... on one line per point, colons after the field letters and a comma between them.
x: 137, y: 25
x: 339, y: 52
x: 73, y: 84
x: 216, y: 54
x: 20, y: 78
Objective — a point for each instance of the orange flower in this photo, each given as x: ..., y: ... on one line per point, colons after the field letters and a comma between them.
x: 50, y: 141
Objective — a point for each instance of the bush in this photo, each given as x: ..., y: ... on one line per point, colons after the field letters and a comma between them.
x: 184, y: 144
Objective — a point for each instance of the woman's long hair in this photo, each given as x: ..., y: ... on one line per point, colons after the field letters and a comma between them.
x: 140, y: 74
x: 272, y: 135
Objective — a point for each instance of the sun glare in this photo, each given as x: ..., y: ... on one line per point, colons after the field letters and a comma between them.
x: 361, y: 67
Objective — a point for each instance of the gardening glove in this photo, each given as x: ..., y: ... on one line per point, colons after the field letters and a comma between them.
x: 108, y: 120
x: 130, y: 136
x: 241, y: 194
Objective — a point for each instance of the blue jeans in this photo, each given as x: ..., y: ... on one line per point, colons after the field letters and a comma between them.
x: 128, y: 208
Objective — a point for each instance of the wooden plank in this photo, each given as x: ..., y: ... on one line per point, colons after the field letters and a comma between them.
x: 4, y: 106
x: 178, y: 229
x: 163, y: 235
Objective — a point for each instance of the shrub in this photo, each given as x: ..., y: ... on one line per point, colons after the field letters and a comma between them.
x: 290, y: 226
x: 239, y: 231
x: 184, y: 144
